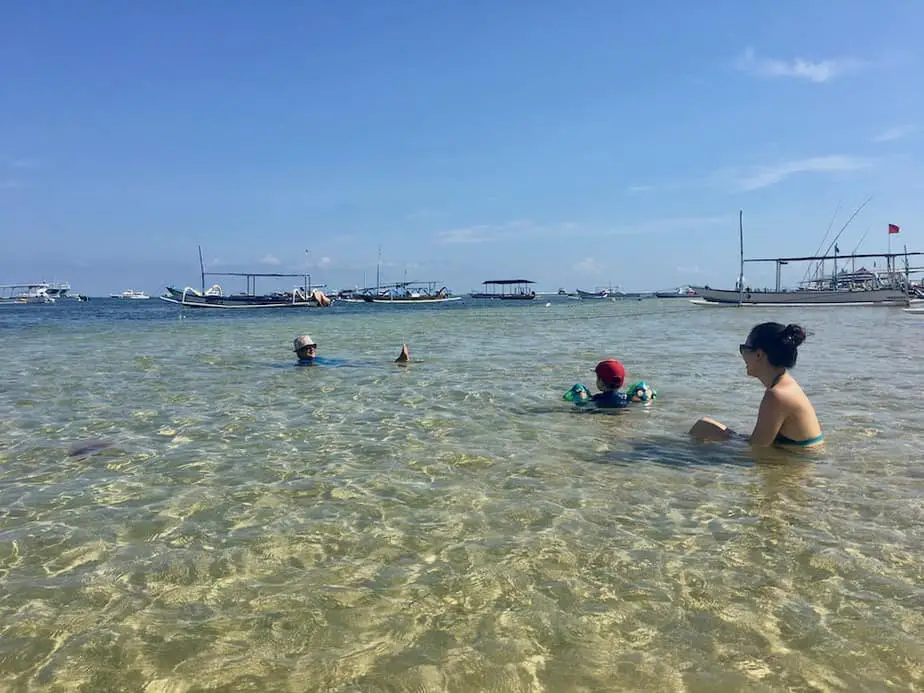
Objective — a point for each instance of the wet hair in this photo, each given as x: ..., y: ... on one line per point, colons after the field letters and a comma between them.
x: 779, y: 342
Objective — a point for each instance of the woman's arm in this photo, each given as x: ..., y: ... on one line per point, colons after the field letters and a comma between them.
x: 710, y: 429
x: 770, y: 418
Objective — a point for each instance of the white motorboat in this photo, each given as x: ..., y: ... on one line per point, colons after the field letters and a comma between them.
x: 25, y: 293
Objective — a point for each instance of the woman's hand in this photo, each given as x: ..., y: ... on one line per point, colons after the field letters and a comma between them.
x: 710, y: 429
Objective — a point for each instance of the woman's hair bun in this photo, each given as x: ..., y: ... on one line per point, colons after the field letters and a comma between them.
x: 793, y: 334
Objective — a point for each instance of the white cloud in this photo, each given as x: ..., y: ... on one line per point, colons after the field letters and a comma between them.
x: 487, y: 233
x: 588, y: 266
x: 269, y: 260
x: 814, y: 71
x: 895, y: 133
x: 25, y: 163
x: 757, y: 177
x: 325, y: 262
x: 663, y: 225
x: 470, y: 234
x: 422, y: 213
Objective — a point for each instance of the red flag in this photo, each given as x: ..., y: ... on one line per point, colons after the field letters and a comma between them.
x: 893, y: 228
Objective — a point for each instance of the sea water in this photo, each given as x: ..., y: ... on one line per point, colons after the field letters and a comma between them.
x: 452, y: 524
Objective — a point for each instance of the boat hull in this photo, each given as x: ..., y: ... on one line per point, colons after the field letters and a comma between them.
x: 190, y: 300
x: 504, y: 297
x: 807, y: 297
x: 668, y: 294
x: 593, y: 295
x: 406, y: 301
x: 223, y: 302
x: 26, y: 300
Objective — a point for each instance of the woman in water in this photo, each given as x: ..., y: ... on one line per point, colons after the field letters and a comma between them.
x: 786, y: 417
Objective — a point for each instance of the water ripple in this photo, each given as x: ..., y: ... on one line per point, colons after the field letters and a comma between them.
x: 227, y: 522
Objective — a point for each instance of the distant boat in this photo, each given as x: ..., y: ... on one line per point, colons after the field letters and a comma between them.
x: 215, y: 297
x: 506, y: 290
x: 303, y: 296
x: 25, y: 293
x: 682, y: 292
x: 840, y: 288
x: 406, y: 293
x: 58, y: 289
x: 63, y: 290
x: 602, y: 294
x: 131, y: 295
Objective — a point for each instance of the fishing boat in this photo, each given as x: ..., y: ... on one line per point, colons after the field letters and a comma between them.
x: 506, y: 290
x: 590, y: 295
x: 409, y: 293
x: 25, y: 293
x: 303, y: 296
x: 131, y: 295
x: 682, y: 292
x: 841, y: 288
x: 399, y: 293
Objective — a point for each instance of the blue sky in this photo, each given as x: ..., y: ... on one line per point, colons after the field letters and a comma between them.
x: 601, y: 143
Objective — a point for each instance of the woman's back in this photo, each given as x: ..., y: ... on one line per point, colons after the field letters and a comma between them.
x: 800, y: 425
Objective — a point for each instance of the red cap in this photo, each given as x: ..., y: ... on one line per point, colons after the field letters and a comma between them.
x: 611, y: 372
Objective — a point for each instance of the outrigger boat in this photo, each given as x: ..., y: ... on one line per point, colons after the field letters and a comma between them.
x: 506, y: 290
x: 682, y: 292
x: 408, y: 293
x: 398, y: 293
x: 300, y: 297
x: 599, y: 295
x: 842, y: 288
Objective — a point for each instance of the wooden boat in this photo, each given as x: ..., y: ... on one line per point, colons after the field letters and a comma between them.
x: 411, y: 293
x: 506, y: 290
x: 602, y: 294
x: 854, y: 288
x: 303, y: 296
x: 215, y: 297
x: 682, y: 292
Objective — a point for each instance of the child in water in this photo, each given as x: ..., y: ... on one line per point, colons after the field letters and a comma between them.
x: 611, y: 376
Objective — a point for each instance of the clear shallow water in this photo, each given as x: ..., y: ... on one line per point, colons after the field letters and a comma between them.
x: 451, y: 525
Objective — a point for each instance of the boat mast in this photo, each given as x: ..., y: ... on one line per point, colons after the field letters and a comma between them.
x: 741, y: 255
x: 835, y: 268
x: 378, y: 265
x: 202, y: 270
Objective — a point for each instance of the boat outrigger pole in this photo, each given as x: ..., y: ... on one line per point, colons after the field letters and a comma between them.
x: 741, y: 248
x: 202, y: 269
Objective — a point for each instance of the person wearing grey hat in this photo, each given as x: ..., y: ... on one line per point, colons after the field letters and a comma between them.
x: 306, y: 350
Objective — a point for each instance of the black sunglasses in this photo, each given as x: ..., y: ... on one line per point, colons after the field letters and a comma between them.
x: 745, y: 347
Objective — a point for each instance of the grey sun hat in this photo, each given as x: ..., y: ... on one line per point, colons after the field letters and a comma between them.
x: 303, y: 341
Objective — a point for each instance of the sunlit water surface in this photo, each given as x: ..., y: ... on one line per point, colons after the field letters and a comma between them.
x: 452, y: 525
